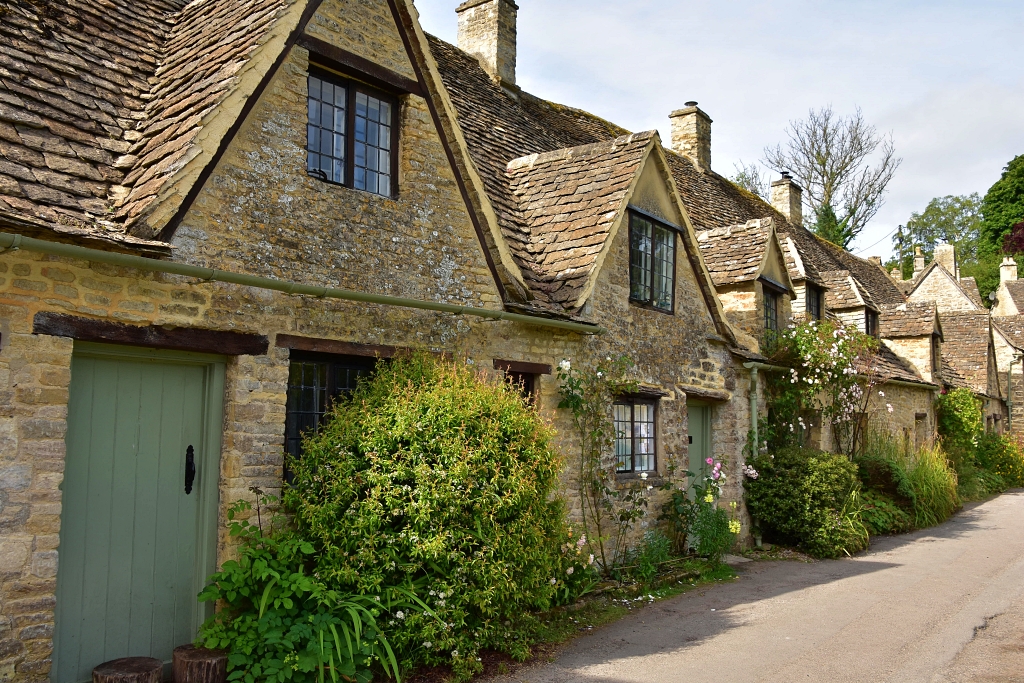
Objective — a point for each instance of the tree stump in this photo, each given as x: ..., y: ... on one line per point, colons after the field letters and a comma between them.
x: 198, y: 665
x: 129, y: 670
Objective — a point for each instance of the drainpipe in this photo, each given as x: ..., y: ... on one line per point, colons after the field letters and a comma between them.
x: 1009, y: 391
x: 753, y: 409
x: 10, y: 242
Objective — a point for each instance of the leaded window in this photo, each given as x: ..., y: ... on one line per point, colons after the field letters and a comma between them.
x: 771, y: 310
x: 350, y: 134
x: 815, y: 302
x: 635, y: 436
x: 652, y: 262
x: 315, y: 381
x: 870, y: 323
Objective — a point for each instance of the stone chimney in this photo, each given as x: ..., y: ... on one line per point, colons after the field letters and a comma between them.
x: 918, y: 261
x: 691, y: 135
x: 1007, y: 270
x: 487, y: 30
x: 788, y: 198
x: 896, y: 274
x: 945, y: 254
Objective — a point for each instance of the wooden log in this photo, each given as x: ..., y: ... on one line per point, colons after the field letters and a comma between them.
x: 198, y: 665
x: 129, y: 670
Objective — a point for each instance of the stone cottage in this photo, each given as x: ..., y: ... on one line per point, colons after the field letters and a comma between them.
x: 217, y: 216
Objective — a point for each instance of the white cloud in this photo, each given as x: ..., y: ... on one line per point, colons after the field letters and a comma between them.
x: 942, y: 75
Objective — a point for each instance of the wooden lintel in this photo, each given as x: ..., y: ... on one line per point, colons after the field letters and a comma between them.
x: 525, y: 368
x: 332, y: 57
x: 703, y: 393
x: 335, y: 347
x: 150, y: 336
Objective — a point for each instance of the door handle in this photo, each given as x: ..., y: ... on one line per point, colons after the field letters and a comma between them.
x: 190, y: 469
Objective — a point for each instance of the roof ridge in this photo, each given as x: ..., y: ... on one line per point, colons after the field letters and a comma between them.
x: 566, y: 153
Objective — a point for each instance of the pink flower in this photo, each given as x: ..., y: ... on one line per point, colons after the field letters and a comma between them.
x: 710, y: 461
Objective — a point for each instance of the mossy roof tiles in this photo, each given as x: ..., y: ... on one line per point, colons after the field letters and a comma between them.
x: 734, y: 254
x: 966, y: 346
x: 908, y: 320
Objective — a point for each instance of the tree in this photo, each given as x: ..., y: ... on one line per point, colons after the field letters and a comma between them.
x: 951, y: 219
x: 1003, y: 205
x: 751, y: 179
x: 830, y: 155
x: 831, y: 228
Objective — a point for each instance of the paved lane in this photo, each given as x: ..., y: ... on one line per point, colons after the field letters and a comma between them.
x: 904, y: 611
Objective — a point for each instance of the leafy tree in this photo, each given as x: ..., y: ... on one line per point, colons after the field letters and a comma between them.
x: 751, y: 179
x: 830, y: 155
x: 1003, y: 205
x: 951, y: 219
x: 828, y: 226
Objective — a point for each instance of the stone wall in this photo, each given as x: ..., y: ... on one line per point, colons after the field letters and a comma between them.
x: 918, y: 352
x: 946, y: 294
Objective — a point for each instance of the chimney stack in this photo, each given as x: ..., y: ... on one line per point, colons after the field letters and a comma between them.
x: 897, y: 274
x: 691, y: 135
x: 918, y: 261
x: 487, y: 30
x: 945, y: 254
x: 1007, y: 270
x: 787, y: 198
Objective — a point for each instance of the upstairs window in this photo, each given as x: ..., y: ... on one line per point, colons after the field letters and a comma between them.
x: 635, y: 435
x: 871, y: 323
x: 936, y: 353
x: 351, y: 138
x: 771, y: 310
x: 652, y: 264
x: 815, y: 302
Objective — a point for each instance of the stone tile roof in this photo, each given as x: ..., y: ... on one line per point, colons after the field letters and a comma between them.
x: 951, y: 377
x: 845, y: 291
x: 887, y: 365
x: 566, y: 204
x: 734, y: 254
x: 872, y: 278
x: 965, y: 347
x: 1015, y: 288
x: 970, y: 287
x: 1012, y: 327
x: 102, y: 103
x: 907, y: 320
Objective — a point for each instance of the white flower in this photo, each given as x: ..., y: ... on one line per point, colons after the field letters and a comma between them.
x: 600, y: 374
x: 553, y: 581
x: 591, y: 560
x: 455, y: 653
x: 882, y: 394
x: 570, y: 570
x: 400, y: 614
x: 428, y: 645
x: 643, y: 475
x: 440, y: 603
x: 565, y: 365
x: 649, y: 488
x: 888, y: 406
x: 441, y: 595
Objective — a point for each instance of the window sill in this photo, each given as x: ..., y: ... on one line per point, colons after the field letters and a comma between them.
x: 651, y: 307
x: 328, y: 181
x: 653, y: 478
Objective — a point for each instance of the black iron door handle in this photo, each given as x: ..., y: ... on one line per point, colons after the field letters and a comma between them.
x: 190, y: 469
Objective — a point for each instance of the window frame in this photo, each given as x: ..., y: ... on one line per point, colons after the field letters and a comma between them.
x: 770, y: 294
x: 656, y: 225
x: 936, y: 353
x: 633, y: 401
x: 334, y: 363
x: 352, y: 88
x: 870, y: 322
x: 816, y: 294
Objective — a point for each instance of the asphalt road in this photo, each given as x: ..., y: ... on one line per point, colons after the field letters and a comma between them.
x: 941, y: 605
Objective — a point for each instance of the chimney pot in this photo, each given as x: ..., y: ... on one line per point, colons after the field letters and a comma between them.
x: 691, y: 135
x: 487, y: 30
x: 918, y: 261
x: 787, y: 198
x: 1008, y: 270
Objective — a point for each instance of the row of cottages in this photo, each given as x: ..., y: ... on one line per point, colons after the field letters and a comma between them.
x: 979, y: 345
x: 216, y: 216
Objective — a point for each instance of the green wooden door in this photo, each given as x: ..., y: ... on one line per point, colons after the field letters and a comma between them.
x: 134, y: 547
x: 699, y: 425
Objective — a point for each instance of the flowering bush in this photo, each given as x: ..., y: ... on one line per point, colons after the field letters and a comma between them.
x: 823, y: 379
x: 695, y: 519
x: 609, y: 510
x: 810, y: 498
x: 960, y: 421
x: 434, y: 476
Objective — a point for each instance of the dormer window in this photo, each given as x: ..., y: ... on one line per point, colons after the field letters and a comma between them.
x: 351, y: 138
x: 936, y: 353
x: 815, y: 302
x: 771, y: 310
x: 652, y: 263
x: 870, y: 323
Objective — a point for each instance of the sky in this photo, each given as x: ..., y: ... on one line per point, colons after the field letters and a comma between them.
x: 944, y: 77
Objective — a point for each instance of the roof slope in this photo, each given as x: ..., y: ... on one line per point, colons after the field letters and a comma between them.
x: 101, y: 103
x: 966, y: 347
x: 907, y: 320
x: 845, y: 291
x: 734, y: 254
x: 1012, y: 327
x: 566, y: 204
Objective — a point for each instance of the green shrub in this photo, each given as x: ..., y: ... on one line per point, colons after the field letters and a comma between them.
x: 923, y: 483
x: 712, y: 532
x: 882, y: 515
x: 1002, y: 456
x: 809, y: 497
x: 435, y: 476
x: 280, y: 623
x: 959, y: 419
x: 643, y: 562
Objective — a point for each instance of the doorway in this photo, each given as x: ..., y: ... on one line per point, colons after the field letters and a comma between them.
x: 139, y: 504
